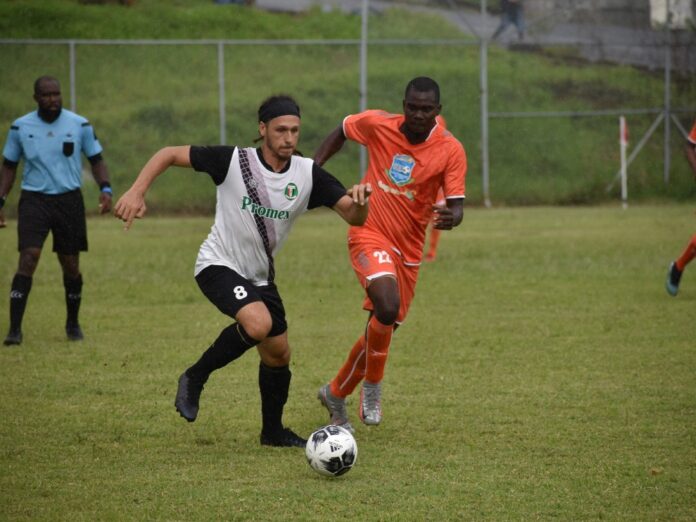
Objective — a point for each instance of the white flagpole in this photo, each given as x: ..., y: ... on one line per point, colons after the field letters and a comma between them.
x: 623, y: 144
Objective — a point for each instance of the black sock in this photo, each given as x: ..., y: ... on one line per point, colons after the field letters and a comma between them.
x: 274, y: 384
x: 231, y: 344
x: 21, y: 286
x: 73, y: 298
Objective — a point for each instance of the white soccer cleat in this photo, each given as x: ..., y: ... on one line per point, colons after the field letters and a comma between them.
x: 370, y: 410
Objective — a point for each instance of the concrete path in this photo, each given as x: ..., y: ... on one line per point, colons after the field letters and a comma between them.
x: 595, y: 42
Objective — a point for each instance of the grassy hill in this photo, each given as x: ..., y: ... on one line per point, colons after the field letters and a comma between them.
x: 141, y: 98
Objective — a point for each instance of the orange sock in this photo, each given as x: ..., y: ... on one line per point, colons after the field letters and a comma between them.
x: 378, y: 338
x: 688, y: 254
x: 352, y: 371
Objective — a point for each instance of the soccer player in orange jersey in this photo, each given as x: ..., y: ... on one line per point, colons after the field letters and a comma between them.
x: 411, y: 155
x: 677, y: 267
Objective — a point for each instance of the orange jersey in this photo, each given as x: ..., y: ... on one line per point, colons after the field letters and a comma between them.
x: 405, y: 178
x: 692, y: 134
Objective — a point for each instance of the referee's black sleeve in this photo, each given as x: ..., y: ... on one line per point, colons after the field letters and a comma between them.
x: 326, y: 189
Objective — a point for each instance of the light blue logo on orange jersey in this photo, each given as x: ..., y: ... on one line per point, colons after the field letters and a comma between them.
x: 401, y: 169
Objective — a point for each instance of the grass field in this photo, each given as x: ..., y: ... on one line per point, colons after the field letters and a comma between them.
x: 543, y: 373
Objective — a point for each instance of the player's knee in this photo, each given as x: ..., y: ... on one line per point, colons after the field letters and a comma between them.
x: 277, y: 359
x: 257, y: 326
x: 28, y: 260
x: 387, y: 310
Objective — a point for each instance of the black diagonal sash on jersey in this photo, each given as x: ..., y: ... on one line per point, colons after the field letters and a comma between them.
x: 254, y: 195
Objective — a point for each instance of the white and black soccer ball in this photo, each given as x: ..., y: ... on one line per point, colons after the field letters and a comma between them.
x: 331, y: 451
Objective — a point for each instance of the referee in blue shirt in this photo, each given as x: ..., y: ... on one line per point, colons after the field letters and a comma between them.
x: 51, y: 141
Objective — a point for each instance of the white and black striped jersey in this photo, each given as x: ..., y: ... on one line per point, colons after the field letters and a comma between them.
x: 256, y: 207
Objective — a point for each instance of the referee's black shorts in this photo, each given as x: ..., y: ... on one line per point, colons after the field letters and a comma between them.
x: 230, y: 291
x: 63, y: 214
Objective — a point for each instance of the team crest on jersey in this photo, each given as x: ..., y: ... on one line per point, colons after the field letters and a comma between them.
x: 401, y: 169
x: 291, y: 191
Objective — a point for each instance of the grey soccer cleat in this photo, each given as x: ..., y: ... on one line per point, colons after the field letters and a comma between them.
x: 336, y: 407
x: 188, y: 396
x: 370, y: 410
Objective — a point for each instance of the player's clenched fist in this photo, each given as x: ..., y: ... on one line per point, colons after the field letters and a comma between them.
x: 443, y: 218
x: 360, y: 193
x: 130, y: 206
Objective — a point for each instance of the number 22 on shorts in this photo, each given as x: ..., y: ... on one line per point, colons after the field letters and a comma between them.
x: 382, y: 256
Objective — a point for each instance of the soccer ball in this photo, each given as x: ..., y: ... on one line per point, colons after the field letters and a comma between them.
x: 331, y: 451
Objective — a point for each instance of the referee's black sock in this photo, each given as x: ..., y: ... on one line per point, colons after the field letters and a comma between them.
x: 73, y: 298
x: 274, y: 384
x: 21, y: 286
x: 231, y: 344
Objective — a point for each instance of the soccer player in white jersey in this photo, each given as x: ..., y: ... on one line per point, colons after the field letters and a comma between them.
x: 260, y: 193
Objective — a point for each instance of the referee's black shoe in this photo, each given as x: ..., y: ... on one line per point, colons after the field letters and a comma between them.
x: 74, y: 332
x: 188, y: 396
x: 14, y: 337
x: 285, y: 438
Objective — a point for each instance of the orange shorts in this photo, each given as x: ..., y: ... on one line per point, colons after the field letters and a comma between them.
x: 373, y: 256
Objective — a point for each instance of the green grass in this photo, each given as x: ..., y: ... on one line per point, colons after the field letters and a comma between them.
x: 543, y: 373
x: 143, y: 98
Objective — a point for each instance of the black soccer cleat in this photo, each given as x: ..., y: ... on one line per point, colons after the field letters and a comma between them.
x: 188, y: 396
x: 13, y: 338
x: 285, y: 438
x: 74, y: 332
x: 673, y: 279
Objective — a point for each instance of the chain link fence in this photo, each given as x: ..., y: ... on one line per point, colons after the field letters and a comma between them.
x: 538, y: 115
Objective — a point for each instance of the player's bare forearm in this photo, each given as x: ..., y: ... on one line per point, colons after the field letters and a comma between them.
x: 330, y: 146
x: 100, y: 173
x: 131, y: 205
x: 353, y: 207
x: 7, y: 179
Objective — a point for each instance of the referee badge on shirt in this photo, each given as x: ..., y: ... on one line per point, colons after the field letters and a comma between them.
x: 68, y: 148
x: 401, y: 169
x: 291, y: 191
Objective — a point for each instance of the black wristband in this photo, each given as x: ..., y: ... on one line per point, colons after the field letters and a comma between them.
x: 2, y: 202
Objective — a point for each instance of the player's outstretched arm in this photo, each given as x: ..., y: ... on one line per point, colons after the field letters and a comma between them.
x: 330, y: 146
x: 353, y: 206
x: 131, y: 205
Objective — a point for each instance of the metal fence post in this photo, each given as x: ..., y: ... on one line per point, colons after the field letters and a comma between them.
x: 668, y: 99
x: 73, y: 87
x: 483, y: 80
x: 221, y: 91
x: 363, y: 76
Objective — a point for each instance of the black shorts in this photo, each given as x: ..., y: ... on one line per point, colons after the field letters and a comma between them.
x: 229, y: 291
x: 63, y: 214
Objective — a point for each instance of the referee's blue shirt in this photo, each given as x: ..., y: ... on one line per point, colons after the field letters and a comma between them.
x: 51, y: 151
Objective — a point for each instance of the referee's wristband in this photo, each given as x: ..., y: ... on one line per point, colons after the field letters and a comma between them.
x: 2, y: 202
x: 106, y: 188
